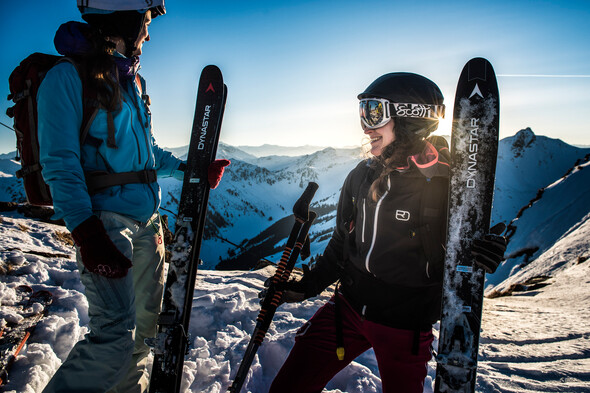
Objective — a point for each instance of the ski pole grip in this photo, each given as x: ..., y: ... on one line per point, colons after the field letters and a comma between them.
x: 301, y: 207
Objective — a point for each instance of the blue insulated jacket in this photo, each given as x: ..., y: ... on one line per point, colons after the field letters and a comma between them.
x: 65, y: 159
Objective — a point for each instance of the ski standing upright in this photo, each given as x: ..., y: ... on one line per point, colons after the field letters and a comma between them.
x: 474, y: 148
x: 171, y: 342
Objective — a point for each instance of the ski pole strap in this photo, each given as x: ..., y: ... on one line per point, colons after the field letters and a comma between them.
x: 338, y: 320
x: 99, y: 181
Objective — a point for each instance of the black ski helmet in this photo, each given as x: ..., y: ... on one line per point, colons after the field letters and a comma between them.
x: 407, y: 88
x: 124, y: 18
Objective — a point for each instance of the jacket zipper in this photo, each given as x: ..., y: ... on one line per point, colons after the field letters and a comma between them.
x: 142, y: 122
x: 133, y: 131
x: 367, y: 259
x: 144, y: 127
x: 364, y: 221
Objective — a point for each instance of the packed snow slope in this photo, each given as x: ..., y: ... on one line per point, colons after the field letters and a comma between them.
x: 535, y: 338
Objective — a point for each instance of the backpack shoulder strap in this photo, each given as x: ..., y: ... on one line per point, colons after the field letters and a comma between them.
x: 90, y: 108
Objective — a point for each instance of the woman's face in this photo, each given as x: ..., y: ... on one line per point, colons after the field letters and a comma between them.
x: 380, y: 137
x: 143, y: 35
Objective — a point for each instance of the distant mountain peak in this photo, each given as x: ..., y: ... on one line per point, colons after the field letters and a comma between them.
x: 522, y: 140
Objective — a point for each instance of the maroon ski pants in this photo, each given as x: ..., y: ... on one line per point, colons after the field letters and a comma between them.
x: 312, y: 362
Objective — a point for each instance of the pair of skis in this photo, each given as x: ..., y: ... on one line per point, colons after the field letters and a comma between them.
x: 171, y: 343
x: 14, y: 337
x: 296, y: 242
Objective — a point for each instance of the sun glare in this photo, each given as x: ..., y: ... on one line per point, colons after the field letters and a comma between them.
x: 444, y: 125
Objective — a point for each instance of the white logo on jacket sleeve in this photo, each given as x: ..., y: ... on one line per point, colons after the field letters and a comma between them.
x: 402, y: 215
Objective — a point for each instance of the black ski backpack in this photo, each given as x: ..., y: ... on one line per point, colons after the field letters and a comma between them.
x: 24, y: 84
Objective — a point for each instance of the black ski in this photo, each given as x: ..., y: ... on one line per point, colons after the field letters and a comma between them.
x: 272, y: 299
x: 13, y: 337
x: 171, y: 342
x: 474, y: 148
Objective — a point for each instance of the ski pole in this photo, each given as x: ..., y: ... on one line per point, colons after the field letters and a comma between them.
x: 44, y: 298
x: 273, y: 296
x: 295, y: 242
x: 269, y: 306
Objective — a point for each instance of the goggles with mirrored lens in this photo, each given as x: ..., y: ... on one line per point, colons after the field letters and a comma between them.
x: 376, y: 112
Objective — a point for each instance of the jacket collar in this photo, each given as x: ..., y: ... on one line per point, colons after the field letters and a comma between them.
x: 430, y: 162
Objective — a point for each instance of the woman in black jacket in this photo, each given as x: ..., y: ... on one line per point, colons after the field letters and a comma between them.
x: 387, y: 249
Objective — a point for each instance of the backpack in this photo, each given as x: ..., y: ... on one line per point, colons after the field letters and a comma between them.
x: 24, y: 84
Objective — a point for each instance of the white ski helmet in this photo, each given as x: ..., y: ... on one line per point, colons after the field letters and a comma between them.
x: 106, y: 6
x: 120, y: 18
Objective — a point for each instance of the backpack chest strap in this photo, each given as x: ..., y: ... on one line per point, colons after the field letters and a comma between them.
x: 99, y: 181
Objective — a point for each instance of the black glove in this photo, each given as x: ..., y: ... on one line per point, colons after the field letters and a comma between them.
x: 294, y: 291
x: 99, y: 254
x: 489, y: 250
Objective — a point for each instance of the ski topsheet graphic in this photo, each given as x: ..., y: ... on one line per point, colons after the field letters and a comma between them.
x: 171, y: 342
x: 474, y: 147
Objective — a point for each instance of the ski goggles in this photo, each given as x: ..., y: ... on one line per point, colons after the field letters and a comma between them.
x: 376, y: 112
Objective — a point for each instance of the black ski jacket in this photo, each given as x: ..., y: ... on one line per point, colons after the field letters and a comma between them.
x: 389, y: 254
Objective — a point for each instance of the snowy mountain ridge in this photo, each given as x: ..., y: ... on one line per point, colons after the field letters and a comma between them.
x: 251, y: 206
x: 276, y: 150
x: 527, y: 162
x: 257, y: 192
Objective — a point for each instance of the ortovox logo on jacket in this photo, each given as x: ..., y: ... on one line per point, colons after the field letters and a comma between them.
x: 402, y: 215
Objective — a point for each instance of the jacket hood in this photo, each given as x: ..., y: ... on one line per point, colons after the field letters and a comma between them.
x: 71, y: 39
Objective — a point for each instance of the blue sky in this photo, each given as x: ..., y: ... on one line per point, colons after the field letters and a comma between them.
x: 294, y: 68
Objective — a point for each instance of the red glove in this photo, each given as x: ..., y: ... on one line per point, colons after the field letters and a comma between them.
x: 215, y: 172
x: 99, y: 253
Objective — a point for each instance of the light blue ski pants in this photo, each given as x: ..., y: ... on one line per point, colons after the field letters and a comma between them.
x: 123, y: 312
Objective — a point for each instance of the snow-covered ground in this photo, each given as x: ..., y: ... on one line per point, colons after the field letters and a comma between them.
x: 537, y: 340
